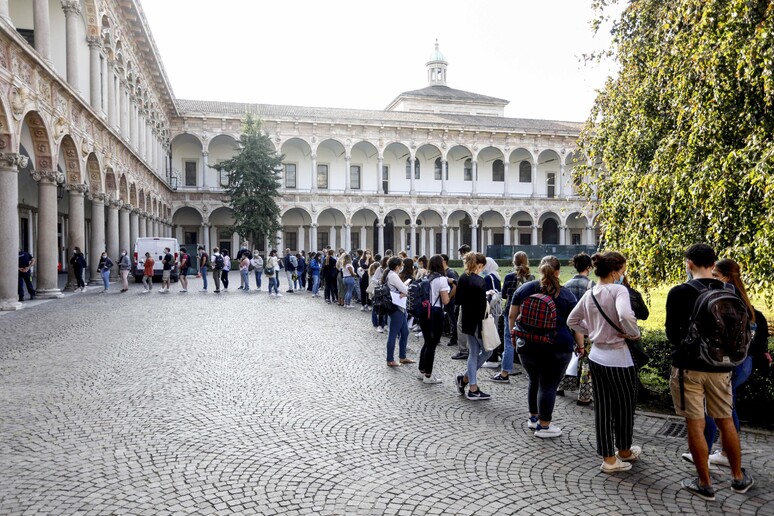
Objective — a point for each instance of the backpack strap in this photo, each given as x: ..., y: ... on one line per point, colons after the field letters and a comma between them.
x: 603, y: 314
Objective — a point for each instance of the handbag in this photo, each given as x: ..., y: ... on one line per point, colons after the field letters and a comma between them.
x: 639, y: 356
x: 572, y: 367
x: 489, y: 334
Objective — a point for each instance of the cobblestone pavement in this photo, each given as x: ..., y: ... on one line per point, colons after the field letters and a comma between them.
x: 203, y: 403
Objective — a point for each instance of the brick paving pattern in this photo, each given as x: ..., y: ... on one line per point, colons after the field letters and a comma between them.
x: 240, y: 403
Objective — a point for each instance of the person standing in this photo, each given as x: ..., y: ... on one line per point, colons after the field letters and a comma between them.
x: 226, y: 269
x: 185, y: 262
x: 605, y: 314
x: 167, y: 262
x: 243, y: 249
x: 363, y: 280
x: 104, y: 266
x: 348, y: 277
x: 398, y: 324
x: 450, y: 310
x: 290, y: 263
x: 512, y: 282
x: 124, y: 265
x: 78, y: 263
x: 204, y: 264
x: 271, y: 269
x: 244, y: 272
x: 462, y: 341
x: 329, y: 275
x: 26, y: 262
x: 432, y: 323
x: 697, y: 386
x: 257, y: 264
x: 314, y: 268
x: 147, y: 273
x: 300, y: 271
x: 217, y: 267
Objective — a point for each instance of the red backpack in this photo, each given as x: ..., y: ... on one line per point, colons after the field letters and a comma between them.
x: 536, y: 323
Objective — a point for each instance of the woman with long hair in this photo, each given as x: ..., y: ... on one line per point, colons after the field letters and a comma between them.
x: 545, y: 363
x: 364, y: 273
x: 398, y: 325
x: 604, y: 313
x: 431, y: 321
x: 348, y: 274
x: 376, y: 272
x: 471, y: 297
x: 329, y: 275
x: 513, y: 280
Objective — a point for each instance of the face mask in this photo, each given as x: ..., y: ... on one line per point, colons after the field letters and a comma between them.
x: 688, y: 274
x: 104, y: 256
x: 620, y: 279
x: 123, y: 254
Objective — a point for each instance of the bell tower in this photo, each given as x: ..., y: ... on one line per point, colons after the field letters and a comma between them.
x: 436, y: 68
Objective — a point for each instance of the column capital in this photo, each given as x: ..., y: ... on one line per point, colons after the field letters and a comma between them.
x: 205, y: 153
x: 413, y: 226
x: 112, y: 202
x: 48, y: 176
x: 13, y: 161
x: 96, y: 197
x: 94, y: 42
x: 71, y: 6
x: 77, y: 188
x: 127, y: 207
x: 314, y: 155
x: 313, y: 225
x: 136, y: 211
x: 444, y: 226
x: 507, y: 226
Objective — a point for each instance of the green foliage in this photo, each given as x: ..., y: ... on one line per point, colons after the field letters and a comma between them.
x: 253, y: 183
x: 684, y: 137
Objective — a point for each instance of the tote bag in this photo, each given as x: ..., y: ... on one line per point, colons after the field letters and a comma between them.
x: 489, y: 333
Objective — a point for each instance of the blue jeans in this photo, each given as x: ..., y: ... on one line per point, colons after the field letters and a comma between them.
x: 203, y: 272
x: 245, y: 278
x: 258, y: 279
x: 509, y: 351
x: 740, y: 375
x: 273, y: 283
x: 315, y: 284
x: 378, y: 320
x: 349, y: 285
x: 398, y: 326
x: 106, y: 278
x: 476, y: 357
x: 545, y: 370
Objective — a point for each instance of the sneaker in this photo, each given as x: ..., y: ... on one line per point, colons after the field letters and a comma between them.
x: 203, y: 290
x: 289, y: 291
x: 420, y: 375
x: 380, y: 329
x: 183, y: 290
x: 687, y: 457
x: 477, y: 395
x: 500, y: 379
x: 217, y: 291
x: 278, y: 294
x: 430, y: 380
x: 719, y: 459
x: 460, y: 356
x: 560, y: 392
x: 744, y: 485
x: 418, y: 334
x: 461, y: 384
x: 146, y: 291
x: 693, y: 485
x: 491, y: 365
x: 636, y: 452
x: 547, y: 432
x: 240, y: 288
x: 532, y: 422
x: 618, y: 465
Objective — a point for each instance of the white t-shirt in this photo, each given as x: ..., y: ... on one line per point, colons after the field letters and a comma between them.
x: 438, y: 285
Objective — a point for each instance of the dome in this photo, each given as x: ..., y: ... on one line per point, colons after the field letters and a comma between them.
x: 437, y: 55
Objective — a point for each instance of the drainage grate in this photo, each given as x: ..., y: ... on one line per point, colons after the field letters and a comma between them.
x: 675, y: 429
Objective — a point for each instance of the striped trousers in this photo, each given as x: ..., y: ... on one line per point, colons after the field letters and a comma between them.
x: 615, y: 397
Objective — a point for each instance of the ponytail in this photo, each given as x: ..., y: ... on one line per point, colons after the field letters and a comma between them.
x: 549, y: 282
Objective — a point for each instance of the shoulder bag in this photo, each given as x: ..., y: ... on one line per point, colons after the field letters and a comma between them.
x: 639, y: 356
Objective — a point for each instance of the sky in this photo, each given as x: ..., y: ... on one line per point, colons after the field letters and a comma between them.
x: 362, y: 54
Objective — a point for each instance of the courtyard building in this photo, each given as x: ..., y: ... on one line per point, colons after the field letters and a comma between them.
x: 96, y: 150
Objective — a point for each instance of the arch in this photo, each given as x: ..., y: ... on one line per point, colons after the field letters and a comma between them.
x: 549, y: 224
x: 369, y: 149
x: 41, y: 140
x: 433, y: 212
x: 330, y: 217
x: 91, y: 16
x: 395, y: 155
x: 492, y: 217
x: 181, y: 210
x: 399, y: 217
x: 305, y: 213
x: 459, y: 165
x: 187, y: 215
x: 133, y: 195
x: 68, y: 156
x: 111, y: 186
x: 8, y: 143
x: 123, y: 190
x: 221, y: 216
x: 364, y: 217
x: 457, y: 214
x: 224, y: 139
x: 522, y: 223
x: 94, y: 173
x: 426, y: 156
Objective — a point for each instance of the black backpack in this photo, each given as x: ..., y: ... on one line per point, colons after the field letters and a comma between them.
x: 719, y: 331
x: 219, y: 263
x: 419, y: 303
x: 383, y: 304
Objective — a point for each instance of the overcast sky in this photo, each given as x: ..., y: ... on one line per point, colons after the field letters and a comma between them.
x: 363, y: 53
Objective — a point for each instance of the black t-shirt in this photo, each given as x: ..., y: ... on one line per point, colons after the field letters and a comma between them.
x: 25, y: 259
x: 680, y: 303
x: 168, y: 259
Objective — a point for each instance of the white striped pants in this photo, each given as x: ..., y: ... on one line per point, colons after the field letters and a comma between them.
x: 615, y: 397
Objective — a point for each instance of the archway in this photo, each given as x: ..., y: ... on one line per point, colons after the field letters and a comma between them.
x: 549, y: 224
x: 393, y: 178
x: 397, y: 224
x: 297, y: 231
x: 330, y: 228
x: 459, y: 223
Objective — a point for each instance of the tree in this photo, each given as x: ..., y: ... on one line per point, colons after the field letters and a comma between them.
x: 253, y: 183
x: 682, y: 139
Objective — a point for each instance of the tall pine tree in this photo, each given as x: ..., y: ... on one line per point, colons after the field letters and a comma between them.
x: 253, y: 182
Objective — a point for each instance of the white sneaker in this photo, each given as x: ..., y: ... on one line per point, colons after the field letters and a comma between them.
x: 719, y: 459
x: 618, y: 465
x: 432, y: 380
x: 636, y: 452
x: 379, y: 329
x: 548, y: 433
x: 689, y: 458
x: 278, y: 294
x: 491, y: 365
x: 183, y: 290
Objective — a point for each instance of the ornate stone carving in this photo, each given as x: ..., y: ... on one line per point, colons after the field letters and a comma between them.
x: 13, y: 161
x: 19, y: 99
x: 97, y: 196
x: 48, y: 176
x: 71, y: 7
x: 80, y: 188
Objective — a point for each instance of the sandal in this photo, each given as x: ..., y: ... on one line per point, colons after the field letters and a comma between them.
x: 393, y: 364
x: 407, y: 361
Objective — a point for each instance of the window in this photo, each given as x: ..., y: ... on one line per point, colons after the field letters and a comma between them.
x: 322, y: 177
x: 438, y: 170
x: 290, y: 175
x: 577, y: 179
x: 525, y: 239
x: 354, y: 177
x: 190, y: 238
x: 291, y: 240
x: 190, y: 173
x: 322, y: 239
x: 498, y: 170
x: 355, y: 237
x: 468, y: 170
x: 525, y: 172
x: 408, y: 168
x: 524, y: 223
x: 224, y: 175
x: 575, y: 239
x: 551, y: 185
x: 385, y: 179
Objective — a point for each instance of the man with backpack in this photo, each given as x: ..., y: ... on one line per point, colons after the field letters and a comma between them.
x: 290, y: 264
x: 707, y: 324
x: 217, y: 267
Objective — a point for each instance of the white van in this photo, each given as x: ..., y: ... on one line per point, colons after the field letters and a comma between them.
x: 155, y: 246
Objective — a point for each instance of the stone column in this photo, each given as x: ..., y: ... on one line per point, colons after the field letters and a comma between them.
x: 47, y: 252
x: 42, y: 27
x: 332, y: 238
x: 431, y: 250
x: 413, y: 240
x: 206, y: 235
x: 452, y: 241
x: 134, y: 229
x: 380, y: 175
x: 474, y: 236
x: 205, y: 155
x: 444, y: 240
x: 111, y: 236
x: 535, y: 235
x: 141, y: 225
x: 133, y: 124
x: 9, y: 232
x: 95, y: 76
x: 381, y: 238
x: 402, y: 243
x: 314, y: 172
x: 76, y: 235
x: 412, y: 190
x: 6, y: 15
x: 444, y: 164
x: 347, y: 237
x: 560, y: 182
x: 562, y: 235
x: 590, y: 235
x: 507, y: 234
x: 534, y: 179
x: 313, y: 238
x: 280, y: 243
x: 124, y: 241
x: 363, y: 239
x: 489, y: 238
x: 301, y: 236
x: 422, y: 242
x: 123, y: 100
x: 506, y: 177
x: 141, y: 133
x: 97, y: 236
x: 72, y: 11
x: 474, y: 172
x: 347, y: 178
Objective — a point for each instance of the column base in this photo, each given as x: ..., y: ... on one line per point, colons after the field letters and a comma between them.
x: 10, y: 305
x: 52, y: 293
